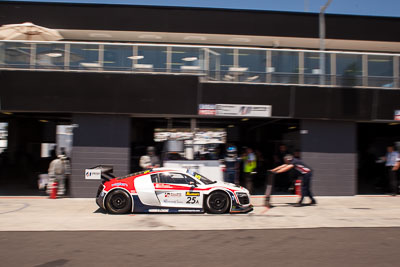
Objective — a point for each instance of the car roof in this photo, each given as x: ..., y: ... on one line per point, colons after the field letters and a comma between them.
x: 155, y: 170
x: 169, y: 169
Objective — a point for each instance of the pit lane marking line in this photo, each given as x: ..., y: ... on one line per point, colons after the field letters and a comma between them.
x: 263, y: 196
x: 16, y: 197
x: 16, y: 210
x: 265, y: 210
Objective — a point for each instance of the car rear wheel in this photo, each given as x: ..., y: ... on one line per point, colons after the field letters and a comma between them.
x: 218, y: 203
x: 118, y: 202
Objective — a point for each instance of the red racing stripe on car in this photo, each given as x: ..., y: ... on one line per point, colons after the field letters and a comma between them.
x: 150, y: 172
x: 178, y: 187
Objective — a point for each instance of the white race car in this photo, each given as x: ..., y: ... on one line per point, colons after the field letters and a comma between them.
x: 170, y: 190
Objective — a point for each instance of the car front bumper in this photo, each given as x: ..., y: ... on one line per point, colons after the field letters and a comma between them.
x: 242, y: 208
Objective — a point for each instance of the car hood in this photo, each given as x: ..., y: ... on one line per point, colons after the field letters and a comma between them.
x: 230, y: 186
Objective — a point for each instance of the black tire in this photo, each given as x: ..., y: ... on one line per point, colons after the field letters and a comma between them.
x: 218, y: 202
x: 118, y: 202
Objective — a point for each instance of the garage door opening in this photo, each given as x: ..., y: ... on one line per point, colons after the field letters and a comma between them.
x: 373, y: 139
x: 28, y: 143
x: 267, y: 138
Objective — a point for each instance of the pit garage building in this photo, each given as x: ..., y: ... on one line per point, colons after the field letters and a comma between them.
x: 120, y: 72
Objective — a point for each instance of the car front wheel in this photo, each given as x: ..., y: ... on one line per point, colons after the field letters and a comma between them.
x: 218, y: 203
x: 118, y: 202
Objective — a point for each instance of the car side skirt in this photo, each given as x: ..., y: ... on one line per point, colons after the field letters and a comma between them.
x: 139, y: 207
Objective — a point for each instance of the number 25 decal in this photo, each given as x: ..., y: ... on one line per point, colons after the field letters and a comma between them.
x: 192, y: 200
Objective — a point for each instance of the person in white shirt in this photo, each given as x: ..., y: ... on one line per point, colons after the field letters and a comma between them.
x: 396, y: 170
x: 391, y: 171
x: 150, y: 160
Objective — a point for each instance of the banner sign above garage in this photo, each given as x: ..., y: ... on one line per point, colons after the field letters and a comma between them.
x: 397, y: 115
x: 235, y: 110
x: 207, y: 109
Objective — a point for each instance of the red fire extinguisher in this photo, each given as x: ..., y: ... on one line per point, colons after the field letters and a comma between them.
x: 53, y: 193
x: 297, y: 187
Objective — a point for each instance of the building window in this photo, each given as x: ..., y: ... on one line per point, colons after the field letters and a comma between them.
x: 254, y: 63
x: 312, y: 71
x: 118, y: 58
x: 221, y: 63
x: 285, y: 67
x: 151, y: 58
x: 187, y: 59
x: 85, y: 57
x: 17, y: 55
x: 380, y: 71
x: 50, y: 56
x: 349, y: 70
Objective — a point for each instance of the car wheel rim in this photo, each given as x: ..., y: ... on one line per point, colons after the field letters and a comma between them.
x: 218, y: 202
x: 118, y: 202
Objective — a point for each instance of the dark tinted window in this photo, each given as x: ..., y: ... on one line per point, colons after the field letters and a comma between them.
x: 190, y: 179
x: 172, y: 178
x: 154, y: 178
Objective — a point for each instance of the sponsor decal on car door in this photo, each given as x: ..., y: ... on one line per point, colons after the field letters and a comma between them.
x: 174, y: 191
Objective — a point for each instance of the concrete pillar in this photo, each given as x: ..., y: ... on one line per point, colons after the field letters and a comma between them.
x: 98, y: 140
x: 330, y: 149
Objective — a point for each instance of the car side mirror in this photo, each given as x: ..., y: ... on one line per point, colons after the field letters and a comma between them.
x: 194, y: 184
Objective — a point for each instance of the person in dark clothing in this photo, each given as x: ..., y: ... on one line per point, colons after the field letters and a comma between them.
x: 231, y: 165
x: 305, y: 172
x: 283, y: 181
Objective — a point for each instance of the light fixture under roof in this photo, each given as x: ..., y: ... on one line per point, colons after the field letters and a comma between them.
x: 189, y: 58
x: 195, y: 38
x: 149, y: 36
x: 100, y: 35
x: 240, y: 40
x: 228, y: 77
x: 252, y: 78
x: 136, y: 57
x: 54, y: 54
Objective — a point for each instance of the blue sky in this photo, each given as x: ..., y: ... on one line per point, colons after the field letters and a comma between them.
x: 389, y: 8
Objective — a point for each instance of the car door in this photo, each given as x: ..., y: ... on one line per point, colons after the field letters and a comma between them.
x: 145, y: 190
x: 173, y: 190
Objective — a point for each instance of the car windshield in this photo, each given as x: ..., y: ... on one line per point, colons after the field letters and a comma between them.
x: 200, y: 177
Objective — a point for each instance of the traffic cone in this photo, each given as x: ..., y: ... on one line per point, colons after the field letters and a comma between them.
x: 53, y: 194
x: 297, y: 187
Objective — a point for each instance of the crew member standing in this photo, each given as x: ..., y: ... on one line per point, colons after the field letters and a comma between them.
x: 249, y: 167
x: 150, y: 160
x: 395, y: 169
x: 58, y: 171
x: 391, y: 173
x: 231, y: 165
x: 304, y: 171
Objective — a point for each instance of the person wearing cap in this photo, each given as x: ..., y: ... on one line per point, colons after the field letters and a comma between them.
x: 305, y: 172
x: 150, y: 160
x: 231, y: 165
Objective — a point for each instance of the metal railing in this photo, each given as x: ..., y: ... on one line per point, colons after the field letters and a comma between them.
x: 214, y: 63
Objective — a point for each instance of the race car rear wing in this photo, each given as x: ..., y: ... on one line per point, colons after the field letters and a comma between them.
x: 101, y: 171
